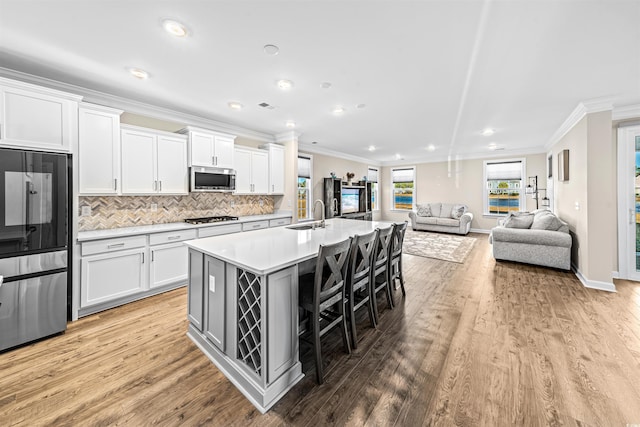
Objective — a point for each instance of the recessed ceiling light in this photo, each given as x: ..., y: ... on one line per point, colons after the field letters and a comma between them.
x: 174, y: 28
x: 398, y: 157
x: 284, y: 84
x: 361, y: 106
x: 290, y: 124
x: 234, y: 105
x: 271, y: 49
x: 325, y: 85
x: 139, y: 73
x: 372, y: 148
x: 338, y: 109
x: 431, y: 147
x: 488, y: 132
x: 492, y: 146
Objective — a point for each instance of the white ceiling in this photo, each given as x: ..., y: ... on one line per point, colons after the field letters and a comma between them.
x: 430, y: 72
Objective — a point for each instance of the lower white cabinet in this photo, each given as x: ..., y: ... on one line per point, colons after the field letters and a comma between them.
x: 116, y: 271
x: 169, y: 264
x: 113, y: 275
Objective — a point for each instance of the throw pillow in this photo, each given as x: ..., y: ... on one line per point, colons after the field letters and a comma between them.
x: 546, y: 221
x: 424, y: 210
x: 458, y: 211
x: 521, y: 220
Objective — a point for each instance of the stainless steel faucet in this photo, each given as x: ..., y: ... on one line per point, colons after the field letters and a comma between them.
x: 314, y: 211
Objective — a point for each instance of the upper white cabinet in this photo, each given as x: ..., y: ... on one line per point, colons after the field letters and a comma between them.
x: 209, y: 148
x: 35, y: 117
x: 276, y: 168
x: 99, y: 149
x: 153, y: 162
x: 252, y: 171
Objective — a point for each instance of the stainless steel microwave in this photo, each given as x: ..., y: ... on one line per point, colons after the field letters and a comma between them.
x: 212, y: 179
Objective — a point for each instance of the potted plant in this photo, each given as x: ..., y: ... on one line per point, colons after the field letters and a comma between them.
x: 350, y: 176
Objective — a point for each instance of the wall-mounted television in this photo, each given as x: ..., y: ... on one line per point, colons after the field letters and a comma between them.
x: 350, y: 200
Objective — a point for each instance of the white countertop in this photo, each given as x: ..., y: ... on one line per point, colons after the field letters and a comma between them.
x: 173, y: 226
x: 268, y: 250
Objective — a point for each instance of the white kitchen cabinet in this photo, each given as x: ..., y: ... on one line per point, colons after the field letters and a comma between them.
x: 210, y: 149
x: 153, y: 162
x: 35, y: 117
x: 172, y: 170
x: 112, y: 275
x: 169, y: 264
x: 252, y: 171
x: 255, y: 225
x: 99, y: 149
x: 169, y: 257
x: 276, y: 168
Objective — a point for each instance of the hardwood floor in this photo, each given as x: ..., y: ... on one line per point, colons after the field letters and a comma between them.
x: 479, y: 343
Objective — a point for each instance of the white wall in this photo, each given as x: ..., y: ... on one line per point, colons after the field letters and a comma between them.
x: 458, y: 181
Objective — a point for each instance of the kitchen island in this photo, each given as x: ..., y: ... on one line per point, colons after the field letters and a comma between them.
x: 243, y: 302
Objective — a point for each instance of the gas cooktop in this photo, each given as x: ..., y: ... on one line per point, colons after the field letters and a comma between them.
x: 209, y: 219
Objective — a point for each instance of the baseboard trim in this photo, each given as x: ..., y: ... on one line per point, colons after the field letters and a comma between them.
x: 593, y: 284
x: 615, y: 274
x: 479, y: 230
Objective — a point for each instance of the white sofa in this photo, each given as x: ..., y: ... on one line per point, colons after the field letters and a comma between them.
x: 442, y: 217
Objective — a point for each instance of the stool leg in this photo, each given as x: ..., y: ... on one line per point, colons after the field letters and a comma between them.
x: 317, y: 349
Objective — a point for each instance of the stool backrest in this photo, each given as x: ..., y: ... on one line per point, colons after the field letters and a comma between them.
x: 397, y: 239
x: 382, y: 249
x: 331, y: 272
x: 361, y: 262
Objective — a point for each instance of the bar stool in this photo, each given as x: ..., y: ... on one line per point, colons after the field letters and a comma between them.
x: 380, y: 273
x: 395, y: 269
x: 323, y: 297
x: 359, y: 279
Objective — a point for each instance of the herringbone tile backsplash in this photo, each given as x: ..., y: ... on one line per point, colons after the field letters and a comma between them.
x: 126, y: 211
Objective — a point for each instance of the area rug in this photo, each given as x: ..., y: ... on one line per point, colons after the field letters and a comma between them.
x: 447, y: 247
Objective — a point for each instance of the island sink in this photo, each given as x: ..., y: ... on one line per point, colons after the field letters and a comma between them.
x: 308, y: 226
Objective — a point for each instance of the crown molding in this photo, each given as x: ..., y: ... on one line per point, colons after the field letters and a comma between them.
x: 287, y: 136
x: 314, y: 149
x: 137, y: 107
x: 626, y: 112
x: 583, y: 108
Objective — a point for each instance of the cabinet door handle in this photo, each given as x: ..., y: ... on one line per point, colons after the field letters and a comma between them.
x: 115, y: 245
x: 143, y: 257
x: 152, y: 256
x: 273, y: 188
x: 173, y: 237
x: 115, y: 184
x: 160, y: 185
x: 256, y: 226
x: 213, y: 160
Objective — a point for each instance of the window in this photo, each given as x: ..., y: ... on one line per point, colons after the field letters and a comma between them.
x: 503, y: 189
x: 304, y: 186
x: 372, y: 177
x: 403, y: 186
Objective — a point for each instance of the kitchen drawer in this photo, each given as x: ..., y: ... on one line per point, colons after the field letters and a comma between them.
x: 219, y: 229
x: 172, y: 236
x: 278, y: 222
x: 255, y: 225
x: 111, y: 245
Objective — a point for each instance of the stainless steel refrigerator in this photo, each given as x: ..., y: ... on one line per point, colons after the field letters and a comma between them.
x: 34, y: 243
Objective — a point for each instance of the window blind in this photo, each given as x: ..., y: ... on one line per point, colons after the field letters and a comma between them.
x: 304, y: 167
x: 504, y: 171
x: 402, y: 175
x: 372, y: 176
